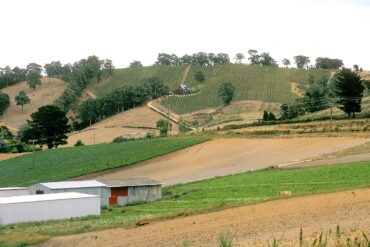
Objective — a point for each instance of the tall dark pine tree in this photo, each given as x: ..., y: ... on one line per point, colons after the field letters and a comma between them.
x: 348, y: 87
x: 50, y: 126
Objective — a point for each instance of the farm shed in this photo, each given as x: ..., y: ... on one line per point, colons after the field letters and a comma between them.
x: 13, y: 191
x: 111, y: 192
x: 91, y: 187
x: 123, y: 191
x: 17, y: 209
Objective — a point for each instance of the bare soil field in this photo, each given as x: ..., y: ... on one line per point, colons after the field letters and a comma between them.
x: 6, y: 156
x: 134, y: 122
x: 221, y: 157
x: 238, y: 112
x: 252, y: 225
x: 43, y: 94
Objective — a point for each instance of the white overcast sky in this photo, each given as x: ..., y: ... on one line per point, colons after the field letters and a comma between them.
x: 67, y: 30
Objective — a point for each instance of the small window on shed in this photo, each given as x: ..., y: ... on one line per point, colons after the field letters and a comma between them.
x: 39, y: 192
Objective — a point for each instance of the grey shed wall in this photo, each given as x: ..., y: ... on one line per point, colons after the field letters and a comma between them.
x: 144, y: 193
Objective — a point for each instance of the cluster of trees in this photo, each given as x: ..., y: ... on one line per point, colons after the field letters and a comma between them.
x: 121, y: 99
x: 262, y: 59
x: 268, y: 116
x: 78, y: 76
x: 200, y: 59
x: 9, y: 76
x: 328, y: 63
x: 345, y: 91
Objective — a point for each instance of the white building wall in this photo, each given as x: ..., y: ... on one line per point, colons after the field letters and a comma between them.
x: 13, y: 192
x: 103, y: 192
x: 48, y: 210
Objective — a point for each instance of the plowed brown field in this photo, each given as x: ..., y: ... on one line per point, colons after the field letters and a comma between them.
x: 222, y: 157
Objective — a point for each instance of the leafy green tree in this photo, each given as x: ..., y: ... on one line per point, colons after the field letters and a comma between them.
x: 355, y: 66
x: 164, y: 126
x: 239, y: 57
x: 301, y: 61
x: 136, y: 64
x: 271, y: 116
x: 4, y: 102
x: 200, y: 58
x: 22, y: 99
x: 221, y: 58
x: 265, y: 116
x: 199, y: 76
x: 89, y: 111
x: 286, y: 62
x: 52, y: 69
x: 165, y: 59
x: 33, y: 75
x: 266, y: 60
x: 155, y: 87
x: 328, y: 63
x: 253, y: 56
x: 316, y: 96
x: 50, y: 127
x: 186, y: 59
x: 284, y: 111
x: 348, y: 87
x: 226, y: 92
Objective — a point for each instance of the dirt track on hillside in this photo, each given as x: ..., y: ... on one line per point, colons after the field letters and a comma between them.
x: 221, y: 157
x: 43, y: 94
x: 105, y: 131
x: 250, y: 225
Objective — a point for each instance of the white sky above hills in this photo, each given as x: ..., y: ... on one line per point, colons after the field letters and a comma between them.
x: 67, y: 30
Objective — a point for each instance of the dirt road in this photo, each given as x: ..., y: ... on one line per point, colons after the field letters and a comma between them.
x: 221, y: 157
x: 250, y: 225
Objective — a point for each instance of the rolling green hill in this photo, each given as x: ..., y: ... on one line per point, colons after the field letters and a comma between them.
x: 252, y: 82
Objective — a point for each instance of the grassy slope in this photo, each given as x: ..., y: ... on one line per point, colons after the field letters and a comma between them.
x: 64, y: 163
x: 251, y: 82
x: 207, y: 195
x: 171, y: 76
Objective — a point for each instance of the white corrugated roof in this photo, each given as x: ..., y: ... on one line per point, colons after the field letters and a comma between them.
x: 14, y: 188
x: 73, y: 184
x: 43, y: 197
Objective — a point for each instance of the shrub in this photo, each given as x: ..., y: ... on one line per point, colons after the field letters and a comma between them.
x: 79, y: 143
x: 119, y: 139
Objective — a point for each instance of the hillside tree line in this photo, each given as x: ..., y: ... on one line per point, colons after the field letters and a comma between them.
x: 122, y: 99
x: 255, y: 58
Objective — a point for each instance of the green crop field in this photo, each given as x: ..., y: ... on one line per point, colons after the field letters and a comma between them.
x: 64, y: 163
x: 201, y: 196
x: 171, y: 76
